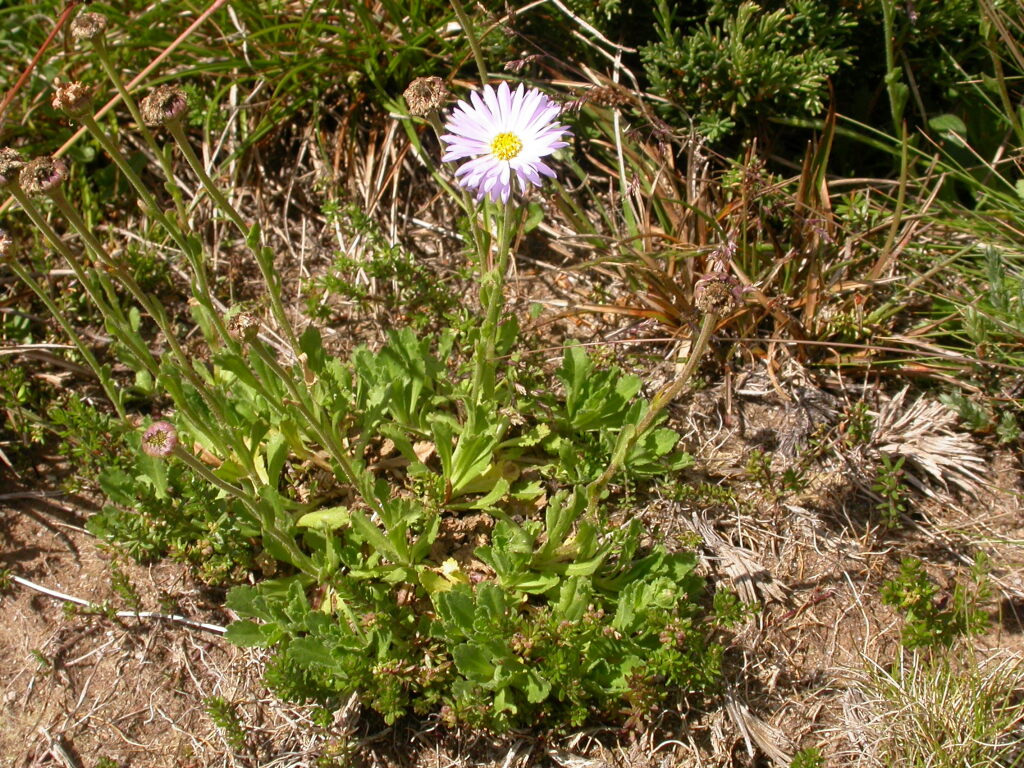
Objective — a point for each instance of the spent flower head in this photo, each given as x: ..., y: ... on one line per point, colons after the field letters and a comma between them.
x: 73, y: 99
x: 6, y: 244
x: 506, y: 133
x: 88, y: 26
x: 43, y: 176
x: 163, y: 105
x: 160, y: 439
x: 717, y: 293
x: 425, y: 95
x: 243, y: 327
x: 11, y: 163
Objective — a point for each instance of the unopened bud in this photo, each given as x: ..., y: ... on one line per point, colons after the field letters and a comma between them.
x: 6, y: 244
x: 73, y: 99
x: 43, y: 175
x: 425, y: 95
x: 165, y: 104
x: 11, y: 163
x: 88, y: 26
x: 160, y: 439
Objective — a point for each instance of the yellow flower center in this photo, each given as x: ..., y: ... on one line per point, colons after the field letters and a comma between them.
x: 506, y: 146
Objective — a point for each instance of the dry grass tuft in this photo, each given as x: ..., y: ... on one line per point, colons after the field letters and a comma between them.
x: 940, y: 711
x: 924, y: 432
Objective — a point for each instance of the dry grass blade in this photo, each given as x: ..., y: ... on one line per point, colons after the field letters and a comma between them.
x: 757, y: 731
x: 752, y: 581
x: 924, y: 432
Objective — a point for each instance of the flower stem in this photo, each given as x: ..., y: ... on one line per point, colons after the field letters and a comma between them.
x: 270, y: 278
x: 323, y: 432
x: 156, y: 312
x: 100, y: 46
x: 629, y: 436
x: 202, y: 294
x: 474, y: 44
x: 113, y: 394
x: 111, y: 310
x: 492, y: 297
x: 232, y: 490
x: 259, y: 508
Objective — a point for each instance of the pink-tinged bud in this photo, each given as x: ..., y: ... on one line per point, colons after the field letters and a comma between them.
x: 165, y: 104
x: 43, y: 176
x: 88, y: 26
x: 11, y: 163
x: 73, y: 99
x: 160, y: 439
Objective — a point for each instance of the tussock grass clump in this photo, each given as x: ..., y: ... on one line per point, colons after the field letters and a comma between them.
x: 942, y: 711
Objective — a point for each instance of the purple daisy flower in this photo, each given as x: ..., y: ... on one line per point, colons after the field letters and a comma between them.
x: 505, y: 132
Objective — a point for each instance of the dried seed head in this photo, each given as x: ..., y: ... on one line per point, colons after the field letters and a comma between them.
x: 716, y: 294
x: 88, y: 26
x: 73, y: 99
x: 11, y: 163
x: 165, y: 104
x: 609, y: 96
x: 425, y: 95
x: 43, y: 175
x: 244, y: 327
x: 160, y: 439
x: 6, y: 244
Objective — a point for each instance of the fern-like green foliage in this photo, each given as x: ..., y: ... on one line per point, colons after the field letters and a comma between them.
x: 747, y: 61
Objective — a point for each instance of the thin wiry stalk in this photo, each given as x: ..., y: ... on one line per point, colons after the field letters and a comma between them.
x: 110, y: 308
x: 100, y: 47
x: 629, y: 437
x: 156, y: 312
x: 474, y: 44
x: 270, y: 278
x: 102, y: 375
x: 203, y: 294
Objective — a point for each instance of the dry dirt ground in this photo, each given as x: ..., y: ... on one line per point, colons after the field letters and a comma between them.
x: 79, y: 686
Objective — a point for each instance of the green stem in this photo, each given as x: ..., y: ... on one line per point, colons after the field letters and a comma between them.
x: 1009, y: 110
x: 897, y: 90
x: 104, y: 378
x: 265, y: 517
x: 628, y: 438
x: 184, y: 363
x: 111, y: 310
x: 884, y: 259
x: 270, y: 278
x: 492, y: 297
x: 474, y: 44
x: 113, y: 151
x: 324, y: 434
x: 203, y: 293
x: 143, y: 298
x: 100, y: 46
x: 463, y: 196
x: 232, y: 490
